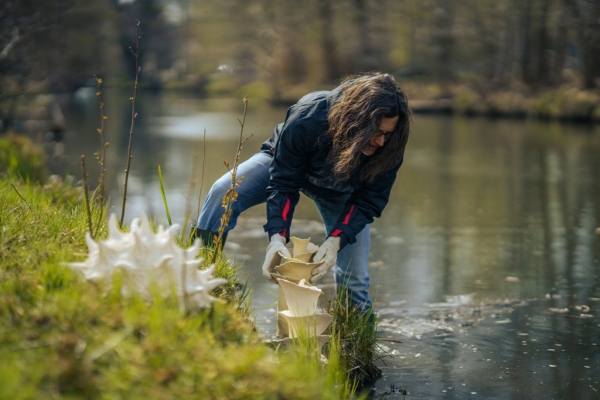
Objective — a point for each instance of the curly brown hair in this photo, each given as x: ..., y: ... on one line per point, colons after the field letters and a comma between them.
x: 354, y: 119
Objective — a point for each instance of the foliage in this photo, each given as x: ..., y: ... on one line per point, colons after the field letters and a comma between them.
x: 64, y: 337
x: 20, y: 157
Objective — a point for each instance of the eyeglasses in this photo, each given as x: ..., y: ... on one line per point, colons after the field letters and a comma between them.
x: 386, y: 135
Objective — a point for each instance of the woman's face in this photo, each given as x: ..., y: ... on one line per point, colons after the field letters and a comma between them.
x: 386, y: 128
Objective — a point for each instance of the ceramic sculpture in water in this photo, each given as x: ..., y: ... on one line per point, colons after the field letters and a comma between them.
x: 297, y: 299
x: 148, y: 259
x: 301, y: 299
x: 312, y: 325
x: 296, y: 269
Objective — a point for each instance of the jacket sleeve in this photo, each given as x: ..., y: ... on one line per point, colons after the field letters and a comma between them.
x: 288, y: 171
x: 363, y: 207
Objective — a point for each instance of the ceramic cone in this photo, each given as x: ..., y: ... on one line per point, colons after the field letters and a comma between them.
x: 313, y: 325
x: 297, y: 270
x: 301, y: 299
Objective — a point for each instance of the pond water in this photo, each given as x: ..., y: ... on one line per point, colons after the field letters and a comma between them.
x: 485, y: 264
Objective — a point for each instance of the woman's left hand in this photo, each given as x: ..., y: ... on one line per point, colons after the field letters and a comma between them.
x: 327, y: 254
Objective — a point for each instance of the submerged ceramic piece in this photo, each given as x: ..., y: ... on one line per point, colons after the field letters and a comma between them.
x: 296, y: 269
x: 288, y: 344
x: 301, y: 299
x: 147, y: 259
x: 310, y: 325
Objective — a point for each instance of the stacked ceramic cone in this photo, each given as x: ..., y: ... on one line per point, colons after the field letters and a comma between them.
x: 297, y: 314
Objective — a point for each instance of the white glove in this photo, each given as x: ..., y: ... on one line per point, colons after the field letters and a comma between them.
x: 272, y: 259
x: 327, y: 254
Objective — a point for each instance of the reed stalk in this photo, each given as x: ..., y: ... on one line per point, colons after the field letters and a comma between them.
x: 101, y: 155
x: 133, y: 115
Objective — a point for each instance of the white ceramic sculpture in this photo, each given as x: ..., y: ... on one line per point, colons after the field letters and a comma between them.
x: 147, y: 259
x: 297, y: 299
x: 301, y: 299
x: 303, y: 249
x: 296, y: 269
x: 313, y: 325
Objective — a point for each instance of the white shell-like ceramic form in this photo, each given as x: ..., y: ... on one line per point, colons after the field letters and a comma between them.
x: 148, y: 259
x: 311, y: 325
x: 297, y: 269
x: 301, y: 299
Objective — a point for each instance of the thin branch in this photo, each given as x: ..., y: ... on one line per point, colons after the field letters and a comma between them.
x: 11, y: 44
x: 133, y: 115
x: 87, y: 199
x: 23, y: 198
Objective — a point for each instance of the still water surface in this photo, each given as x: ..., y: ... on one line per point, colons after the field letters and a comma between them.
x: 486, y: 262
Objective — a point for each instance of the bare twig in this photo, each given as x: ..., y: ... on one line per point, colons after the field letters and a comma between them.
x: 231, y: 195
x: 389, y: 340
x: 87, y: 199
x: 19, y: 194
x: 133, y: 114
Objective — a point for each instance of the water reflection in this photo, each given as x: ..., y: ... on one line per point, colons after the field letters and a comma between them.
x: 477, y: 201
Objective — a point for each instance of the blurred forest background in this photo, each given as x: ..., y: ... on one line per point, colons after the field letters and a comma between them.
x: 475, y: 56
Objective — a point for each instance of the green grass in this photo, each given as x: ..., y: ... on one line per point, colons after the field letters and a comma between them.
x: 355, y: 331
x: 62, y: 337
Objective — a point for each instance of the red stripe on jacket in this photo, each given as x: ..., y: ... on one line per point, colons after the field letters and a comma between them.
x: 347, y: 218
x: 286, y: 209
x: 337, y: 232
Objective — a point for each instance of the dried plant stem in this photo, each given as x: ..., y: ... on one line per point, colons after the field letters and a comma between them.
x: 87, y: 197
x: 133, y: 115
x: 101, y: 156
x: 231, y: 195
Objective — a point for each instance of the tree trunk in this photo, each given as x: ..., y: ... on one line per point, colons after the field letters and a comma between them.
x: 328, y: 45
x: 587, y: 15
x: 443, y: 41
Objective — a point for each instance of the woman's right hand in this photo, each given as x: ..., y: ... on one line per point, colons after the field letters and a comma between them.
x: 273, y: 258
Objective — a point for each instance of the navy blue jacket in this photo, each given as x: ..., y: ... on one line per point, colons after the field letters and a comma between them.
x: 299, y: 148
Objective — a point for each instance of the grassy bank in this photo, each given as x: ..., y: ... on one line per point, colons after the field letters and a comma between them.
x: 62, y: 337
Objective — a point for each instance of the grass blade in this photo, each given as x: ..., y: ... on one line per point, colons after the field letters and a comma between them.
x: 164, y: 196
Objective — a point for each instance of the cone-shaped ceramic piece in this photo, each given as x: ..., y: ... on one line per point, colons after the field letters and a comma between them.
x: 301, y: 299
x: 312, y: 325
x: 282, y: 305
x: 300, y: 246
x: 281, y: 301
x: 297, y: 270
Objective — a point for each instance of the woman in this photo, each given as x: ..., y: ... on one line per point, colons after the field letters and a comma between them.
x: 342, y: 148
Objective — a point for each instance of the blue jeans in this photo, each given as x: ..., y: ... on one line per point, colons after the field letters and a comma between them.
x: 351, y: 267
